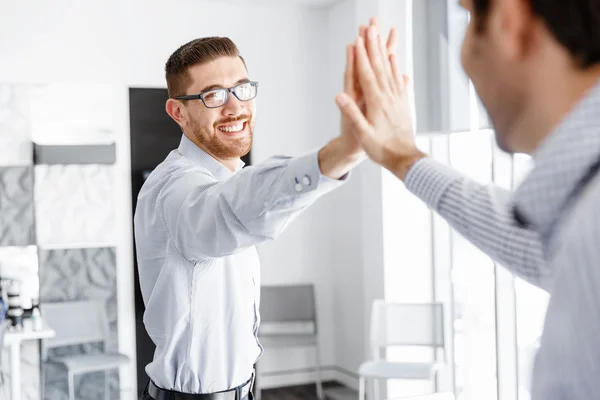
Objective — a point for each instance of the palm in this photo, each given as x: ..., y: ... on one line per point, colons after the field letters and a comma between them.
x: 391, y: 131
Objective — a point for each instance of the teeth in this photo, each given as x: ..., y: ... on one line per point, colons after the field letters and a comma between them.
x: 234, y: 128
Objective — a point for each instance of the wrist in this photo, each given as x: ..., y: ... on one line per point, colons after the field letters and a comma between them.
x: 404, y: 162
x: 336, y: 160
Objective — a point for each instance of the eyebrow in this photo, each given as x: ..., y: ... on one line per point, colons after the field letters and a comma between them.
x: 216, y: 86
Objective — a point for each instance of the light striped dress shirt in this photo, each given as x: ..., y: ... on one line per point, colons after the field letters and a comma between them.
x: 196, y: 225
x: 547, y: 232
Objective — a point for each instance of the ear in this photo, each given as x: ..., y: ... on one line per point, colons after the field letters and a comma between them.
x: 513, y: 23
x: 177, y: 111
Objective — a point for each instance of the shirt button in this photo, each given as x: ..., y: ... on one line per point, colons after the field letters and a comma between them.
x: 298, y: 187
x: 306, y: 180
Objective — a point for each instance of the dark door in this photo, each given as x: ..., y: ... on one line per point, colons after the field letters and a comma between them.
x: 153, y: 135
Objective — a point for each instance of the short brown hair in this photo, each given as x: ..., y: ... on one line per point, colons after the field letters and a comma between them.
x: 575, y: 24
x: 198, y: 51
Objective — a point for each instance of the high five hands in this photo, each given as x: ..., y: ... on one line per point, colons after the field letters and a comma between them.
x: 374, y: 103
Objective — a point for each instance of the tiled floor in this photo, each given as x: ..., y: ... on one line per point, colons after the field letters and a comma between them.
x: 333, y: 391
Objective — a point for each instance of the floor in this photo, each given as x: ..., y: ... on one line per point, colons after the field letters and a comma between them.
x: 333, y: 391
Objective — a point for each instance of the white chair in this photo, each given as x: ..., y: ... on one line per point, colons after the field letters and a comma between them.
x: 399, y: 324
x: 80, y: 322
x: 289, y: 319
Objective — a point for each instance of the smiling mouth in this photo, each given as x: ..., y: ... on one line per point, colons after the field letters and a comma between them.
x: 233, y: 128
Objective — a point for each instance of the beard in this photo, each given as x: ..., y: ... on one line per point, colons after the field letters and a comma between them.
x: 224, y: 149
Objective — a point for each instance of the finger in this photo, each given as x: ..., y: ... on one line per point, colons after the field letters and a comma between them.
x: 374, y: 22
x: 398, y: 77
x: 365, y: 74
x: 374, y: 54
x: 356, y: 91
x: 349, y: 79
x: 361, y: 105
x: 362, y: 32
x: 350, y: 110
x: 392, y: 41
x: 385, y: 60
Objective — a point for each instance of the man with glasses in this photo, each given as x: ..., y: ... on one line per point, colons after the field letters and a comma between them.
x: 199, y: 216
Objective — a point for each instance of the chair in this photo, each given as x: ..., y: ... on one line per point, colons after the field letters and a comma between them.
x: 289, y: 319
x: 398, y: 324
x: 75, y: 323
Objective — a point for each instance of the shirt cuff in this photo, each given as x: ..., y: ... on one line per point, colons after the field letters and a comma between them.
x: 303, y: 175
x: 429, y: 179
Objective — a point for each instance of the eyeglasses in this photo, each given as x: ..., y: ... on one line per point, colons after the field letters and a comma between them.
x: 218, y: 97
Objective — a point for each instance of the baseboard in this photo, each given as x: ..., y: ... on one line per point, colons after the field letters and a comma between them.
x: 279, y: 379
x: 295, y: 377
x: 346, y: 378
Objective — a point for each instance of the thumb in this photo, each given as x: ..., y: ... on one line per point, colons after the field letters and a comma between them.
x: 351, y: 110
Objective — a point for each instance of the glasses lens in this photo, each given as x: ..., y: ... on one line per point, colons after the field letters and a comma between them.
x: 215, y: 98
x: 246, y: 91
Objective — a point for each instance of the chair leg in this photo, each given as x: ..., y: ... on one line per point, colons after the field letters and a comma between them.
x: 71, y: 386
x: 106, y: 385
x: 376, y: 395
x: 361, y: 388
x: 319, y: 381
x: 434, y: 382
x: 42, y: 381
x: 42, y: 370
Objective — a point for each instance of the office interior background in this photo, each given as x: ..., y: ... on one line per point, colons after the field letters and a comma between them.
x: 81, y: 121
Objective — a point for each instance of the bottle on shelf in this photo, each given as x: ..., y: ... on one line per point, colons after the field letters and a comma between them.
x: 36, y: 316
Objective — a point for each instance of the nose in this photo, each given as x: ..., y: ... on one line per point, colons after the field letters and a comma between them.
x: 233, y: 107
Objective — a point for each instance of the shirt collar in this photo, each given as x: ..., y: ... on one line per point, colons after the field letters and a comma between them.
x: 562, y: 163
x: 189, y: 150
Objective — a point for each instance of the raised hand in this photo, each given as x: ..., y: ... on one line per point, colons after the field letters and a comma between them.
x: 384, y: 126
x: 351, y: 84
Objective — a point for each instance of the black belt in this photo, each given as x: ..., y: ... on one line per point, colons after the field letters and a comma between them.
x: 237, y: 393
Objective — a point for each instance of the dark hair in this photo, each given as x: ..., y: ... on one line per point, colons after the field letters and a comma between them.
x: 575, y: 24
x: 196, y: 52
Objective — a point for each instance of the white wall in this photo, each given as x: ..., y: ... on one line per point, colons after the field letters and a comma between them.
x: 125, y: 44
x: 359, y: 258
x: 346, y: 247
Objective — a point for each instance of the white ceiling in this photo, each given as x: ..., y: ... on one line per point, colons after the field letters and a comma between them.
x: 301, y: 3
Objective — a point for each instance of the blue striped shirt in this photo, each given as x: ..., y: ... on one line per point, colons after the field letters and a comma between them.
x: 547, y: 232
x: 196, y: 225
